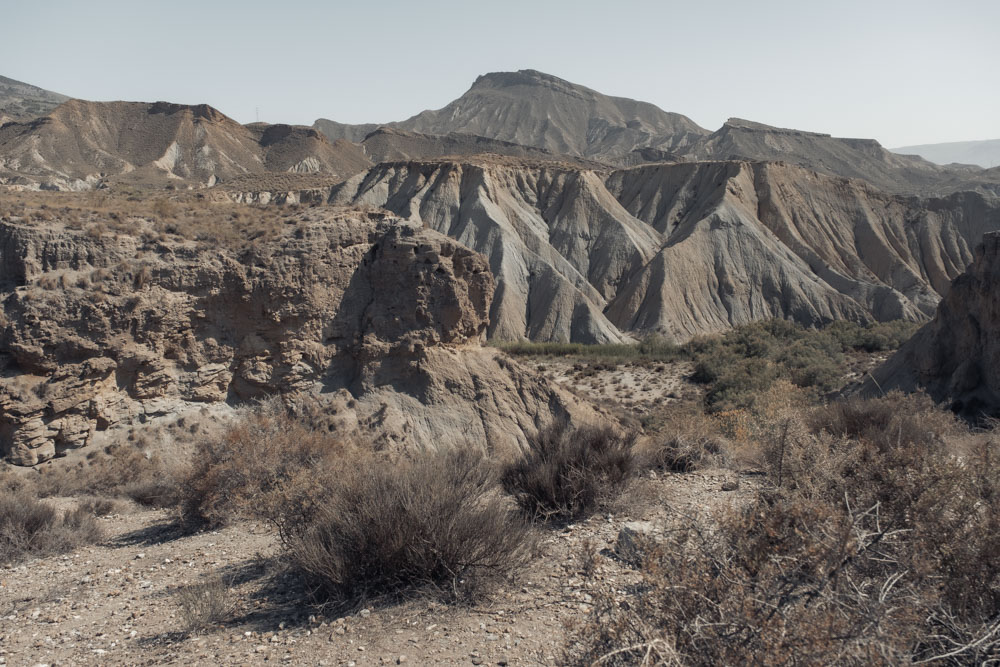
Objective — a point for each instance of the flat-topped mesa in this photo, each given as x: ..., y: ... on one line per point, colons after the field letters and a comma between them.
x: 956, y: 357
x: 365, y: 309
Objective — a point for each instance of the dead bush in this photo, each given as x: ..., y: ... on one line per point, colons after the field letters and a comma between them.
x: 31, y: 528
x: 117, y: 471
x: 268, y: 465
x: 880, y: 546
x: 206, y: 603
x: 436, y: 523
x: 568, y: 473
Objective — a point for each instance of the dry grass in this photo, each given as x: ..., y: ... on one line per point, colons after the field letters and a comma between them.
x: 30, y: 528
x: 117, y: 471
x: 206, y: 603
x: 267, y: 465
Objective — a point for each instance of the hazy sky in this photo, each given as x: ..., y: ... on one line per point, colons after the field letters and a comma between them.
x: 902, y: 72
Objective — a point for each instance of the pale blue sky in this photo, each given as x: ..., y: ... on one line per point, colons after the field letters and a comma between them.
x: 902, y: 72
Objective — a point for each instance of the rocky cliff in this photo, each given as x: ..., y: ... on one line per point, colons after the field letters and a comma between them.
x: 956, y: 357
x: 381, y: 319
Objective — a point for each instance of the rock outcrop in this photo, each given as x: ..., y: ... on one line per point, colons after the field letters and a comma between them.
x: 380, y: 318
x: 956, y: 357
x: 685, y: 248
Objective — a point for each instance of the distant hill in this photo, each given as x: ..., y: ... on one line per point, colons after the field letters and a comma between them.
x: 80, y: 144
x: 543, y: 111
x: 981, y: 153
x: 22, y: 101
x: 387, y: 143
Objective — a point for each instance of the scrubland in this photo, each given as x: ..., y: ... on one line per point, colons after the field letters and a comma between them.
x: 855, y: 531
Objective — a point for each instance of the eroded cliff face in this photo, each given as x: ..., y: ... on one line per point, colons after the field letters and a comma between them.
x: 683, y: 249
x: 956, y: 357
x: 369, y: 312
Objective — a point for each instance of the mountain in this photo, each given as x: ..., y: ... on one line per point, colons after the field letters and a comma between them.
x: 80, y: 144
x: 741, y: 139
x: 390, y: 144
x: 956, y: 357
x: 22, y: 101
x: 543, y: 111
x: 981, y: 153
x: 682, y: 249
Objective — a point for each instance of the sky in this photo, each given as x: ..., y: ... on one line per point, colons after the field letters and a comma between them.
x: 905, y: 73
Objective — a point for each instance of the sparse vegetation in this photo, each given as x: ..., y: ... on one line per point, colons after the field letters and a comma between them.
x: 434, y: 523
x: 356, y: 525
x: 117, y: 471
x: 206, y: 603
x: 568, y: 473
x: 31, y: 528
x: 873, y: 542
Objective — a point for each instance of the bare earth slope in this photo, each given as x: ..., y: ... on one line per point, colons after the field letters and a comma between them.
x: 22, y: 101
x: 740, y: 139
x: 376, y: 317
x: 683, y: 249
x: 389, y: 144
x: 956, y: 357
x: 80, y: 144
x: 543, y: 111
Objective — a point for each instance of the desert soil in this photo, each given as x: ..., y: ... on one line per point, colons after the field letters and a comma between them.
x: 117, y: 602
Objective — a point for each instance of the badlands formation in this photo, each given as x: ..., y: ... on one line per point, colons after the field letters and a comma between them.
x: 530, y: 208
x: 956, y: 357
x: 379, y: 320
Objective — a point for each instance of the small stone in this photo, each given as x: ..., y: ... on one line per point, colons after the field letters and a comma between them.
x: 401, y: 659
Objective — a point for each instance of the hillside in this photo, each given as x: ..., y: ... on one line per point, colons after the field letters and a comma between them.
x: 543, y: 111
x: 982, y: 153
x: 22, y: 101
x: 683, y: 249
x: 866, y: 159
x: 390, y: 144
x: 80, y: 144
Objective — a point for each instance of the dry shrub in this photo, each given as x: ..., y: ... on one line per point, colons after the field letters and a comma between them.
x: 268, y: 465
x: 206, y: 603
x: 117, y: 471
x: 692, y: 441
x: 881, y: 546
x: 437, y: 523
x: 568, y: 473
x: 31, y: 528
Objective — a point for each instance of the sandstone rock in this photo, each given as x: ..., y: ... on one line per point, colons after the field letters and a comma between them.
x: 364, y: 315
x: 956, y: 357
